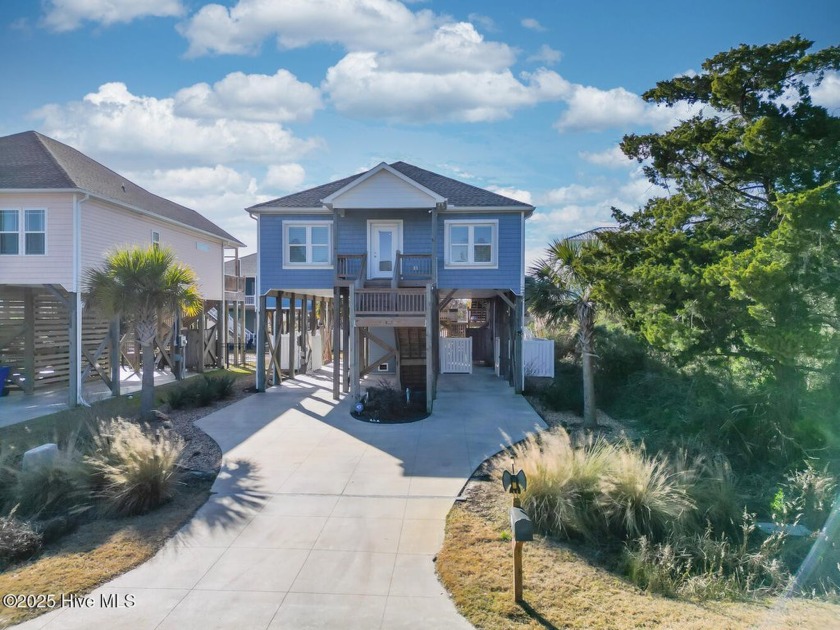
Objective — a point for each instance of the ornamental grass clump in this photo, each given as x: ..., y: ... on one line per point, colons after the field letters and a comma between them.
x: 133, y: 470
x: 18, y: 541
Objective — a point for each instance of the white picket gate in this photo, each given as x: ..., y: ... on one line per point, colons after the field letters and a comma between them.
x: 538, y: 357
x: 455, y: 355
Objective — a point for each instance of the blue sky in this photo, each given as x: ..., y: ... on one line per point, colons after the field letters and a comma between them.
x: 220, y: 106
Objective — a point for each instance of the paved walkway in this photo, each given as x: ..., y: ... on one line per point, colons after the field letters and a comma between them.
x: 319, y: 520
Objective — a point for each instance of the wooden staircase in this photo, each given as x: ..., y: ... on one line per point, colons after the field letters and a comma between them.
x: 411, y: 345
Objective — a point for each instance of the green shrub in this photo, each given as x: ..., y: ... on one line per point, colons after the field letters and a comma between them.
x: 201, y: 392
x: 181, y: 397
x: 705, y: 566
x: 51, y: 490
x: 642, y: 495
x: 566, y: 391
x: 223, y: 385
x: 18, y: 541
x: 136, y: 470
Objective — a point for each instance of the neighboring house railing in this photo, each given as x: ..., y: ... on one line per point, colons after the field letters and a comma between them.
x: 234, y: 284
x: 250, y: 300
x: 413, y: 269
x: 389, y: 302
x: 350, y: 268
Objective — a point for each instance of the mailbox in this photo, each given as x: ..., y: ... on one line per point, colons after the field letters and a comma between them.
x: 521, y: 527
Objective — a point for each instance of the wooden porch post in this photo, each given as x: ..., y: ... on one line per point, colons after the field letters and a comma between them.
x: 345, y: 355
x: 430, y: 353
x: 260, y: 320
x: 292, y: 339
x: 73, y: 329
x: 277, y: 328
x: 202, y: 329
x: 114, y: 340
x: 518, y: 376
x: 354, y: 348
x: 336, y: 333
x: 28, y: 340
x: 236, y: 337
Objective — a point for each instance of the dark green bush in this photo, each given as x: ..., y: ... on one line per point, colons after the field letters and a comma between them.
x: 18, y: 541
x: 566, y: 392
x: 202, y: 392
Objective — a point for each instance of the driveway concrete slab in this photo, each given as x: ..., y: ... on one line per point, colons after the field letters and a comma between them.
x: 319, y: 520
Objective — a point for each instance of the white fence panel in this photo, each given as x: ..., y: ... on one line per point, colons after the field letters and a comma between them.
x: 455, y: 355
x: 317, y: 350
x: 538, y: 357
x: 284, y: 353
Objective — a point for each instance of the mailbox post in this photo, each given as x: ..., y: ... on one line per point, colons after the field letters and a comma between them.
x: 521, y: 527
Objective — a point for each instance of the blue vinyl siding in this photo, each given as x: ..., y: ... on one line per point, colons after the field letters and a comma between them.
x: 508, y: 275
x: 417, y: 239
x: 274, y: 276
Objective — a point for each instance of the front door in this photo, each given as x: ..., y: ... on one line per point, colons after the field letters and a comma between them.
x: 383, y: 243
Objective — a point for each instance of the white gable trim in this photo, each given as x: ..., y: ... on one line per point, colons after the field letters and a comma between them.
x: 330, y: 200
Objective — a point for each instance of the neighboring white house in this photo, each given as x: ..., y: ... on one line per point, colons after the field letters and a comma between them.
x: 60, y: 213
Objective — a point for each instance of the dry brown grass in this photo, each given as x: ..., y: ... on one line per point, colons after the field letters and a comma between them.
x: 97, y: 552
x: 563, y: 589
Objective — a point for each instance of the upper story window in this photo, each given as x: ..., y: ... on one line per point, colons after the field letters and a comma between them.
x: 250, y: 285
x: 155, y: 239
x: 307, y: 244
x: 471, y: 243
x: 23, y: 232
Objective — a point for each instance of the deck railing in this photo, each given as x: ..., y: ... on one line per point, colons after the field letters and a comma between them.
x: 234, y: 284
x: 413, y: 268
x: 390, y: 302
x: 350, y: 266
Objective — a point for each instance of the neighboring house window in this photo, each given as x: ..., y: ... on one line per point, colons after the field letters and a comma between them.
x: 155, y: 239
x: 471, y: 243
x: 308, y: 244
x: 250, y: 286
x: 23, y: 231
x: 202, y: 247
x: 9, y: 231
x: 35, y: 234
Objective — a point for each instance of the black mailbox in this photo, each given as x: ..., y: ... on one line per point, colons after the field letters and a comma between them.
x: 521, y: 527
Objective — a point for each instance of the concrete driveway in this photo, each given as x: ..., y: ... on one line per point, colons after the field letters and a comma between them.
x: 319, y: 520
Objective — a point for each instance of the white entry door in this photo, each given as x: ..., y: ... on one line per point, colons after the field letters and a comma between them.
x: 383, y: 242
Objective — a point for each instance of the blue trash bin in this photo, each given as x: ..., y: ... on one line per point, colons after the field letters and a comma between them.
x: 4, y: 375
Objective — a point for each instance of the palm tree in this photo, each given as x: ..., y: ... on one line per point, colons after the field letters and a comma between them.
x: 558, y: 291
x: 140, y: 285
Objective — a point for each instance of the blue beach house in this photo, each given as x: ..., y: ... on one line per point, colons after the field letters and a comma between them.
x: 375, y: 261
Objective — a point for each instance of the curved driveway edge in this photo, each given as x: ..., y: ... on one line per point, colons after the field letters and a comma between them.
x: 319, y: 520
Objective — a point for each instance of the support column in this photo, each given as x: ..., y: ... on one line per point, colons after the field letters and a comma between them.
x: 354, y: 349
x: 345, y: 329
x: 304, y: 334
x: 114, y: 341
x: 277, y: 328
x: 292, y: 335
x: 260, y: 321
x: 236, y: 338
x: 430, y: 353
x: 223, y: 334
x: 242, y: 328
x: 336, y: 338
x: 73, y: 334
x: 518, y: 373
x: 28, y: 340
x: 202, y: 330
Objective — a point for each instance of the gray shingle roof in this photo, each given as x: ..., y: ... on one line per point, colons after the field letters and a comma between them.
x: 456, y: 193
x: 31, y: 160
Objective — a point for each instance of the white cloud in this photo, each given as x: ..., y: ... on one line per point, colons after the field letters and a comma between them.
x: 283, y: 177
x: 610, y: 158
x: 593, y: 109
x: 277, y: 98
x: 827, y: 94
x: 532, y: 24
x: 573, y: 193
x: 514, y: 193
x: 547, y: 55
x: 67, y: 15
x: 355, y: 24
x: 359, y: 86
x: 484, y: 21
x: 130, y: 129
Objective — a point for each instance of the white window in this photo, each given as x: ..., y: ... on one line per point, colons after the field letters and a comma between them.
x: 35, y: 232
x: 155, y: 238
x: 9, y: 232
x: 23, y: 232
x: 471, y: 243
x: 307, y: 244
x: 202, y: 247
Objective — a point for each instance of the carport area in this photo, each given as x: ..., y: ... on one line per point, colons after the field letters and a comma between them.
x: 319, y: 520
